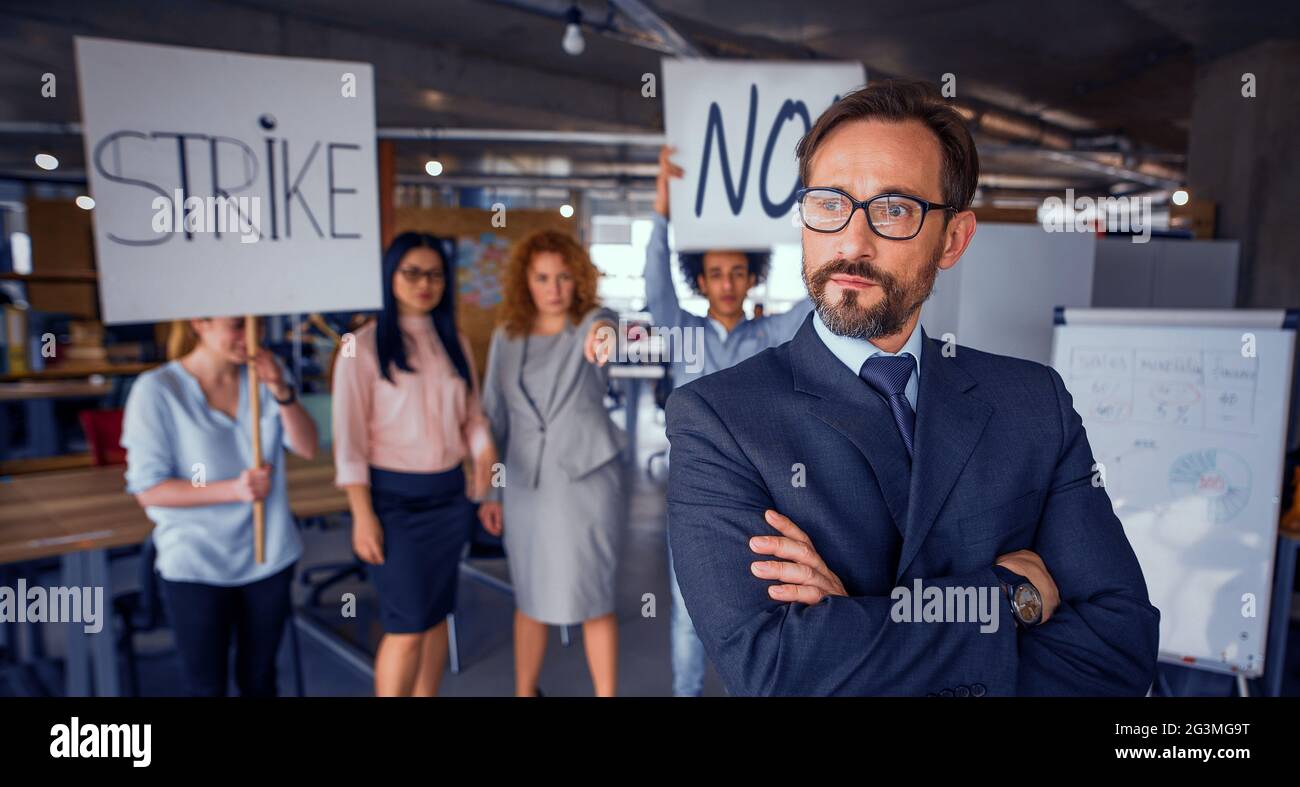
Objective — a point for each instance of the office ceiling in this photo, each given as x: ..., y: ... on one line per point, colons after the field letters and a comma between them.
x: 1120, y: 68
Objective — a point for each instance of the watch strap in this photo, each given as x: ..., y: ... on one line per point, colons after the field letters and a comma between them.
x: 293, y: 397
x: 1011, y: 581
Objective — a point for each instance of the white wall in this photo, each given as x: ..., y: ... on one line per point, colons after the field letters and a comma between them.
x: 1000, y: 296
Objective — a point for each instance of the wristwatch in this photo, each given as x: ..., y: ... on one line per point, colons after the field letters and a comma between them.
x: 1025, y: 600
x: 293, y: 397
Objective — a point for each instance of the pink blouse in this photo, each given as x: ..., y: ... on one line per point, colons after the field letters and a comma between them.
x: 425, y: 421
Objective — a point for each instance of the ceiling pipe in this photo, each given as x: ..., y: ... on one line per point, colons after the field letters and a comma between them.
x: 526, y: 181
x: 38, y: 128
x: 1050, y: 142
x: 644, y: 17
x: 522, y: 135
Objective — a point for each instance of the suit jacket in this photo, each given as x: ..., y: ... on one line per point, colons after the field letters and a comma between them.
x: 1001, y: 463
x: 573, y: 430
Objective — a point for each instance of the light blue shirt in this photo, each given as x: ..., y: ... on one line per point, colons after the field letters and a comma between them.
x: 704, y: 345
x: 169, y: 431
x: 855, y: 352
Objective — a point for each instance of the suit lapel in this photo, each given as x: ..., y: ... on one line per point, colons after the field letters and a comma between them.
x: 949, y: 423
x: 843, y: 402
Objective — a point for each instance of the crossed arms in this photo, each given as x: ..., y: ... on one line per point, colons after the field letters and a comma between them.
x: 1100, y: 639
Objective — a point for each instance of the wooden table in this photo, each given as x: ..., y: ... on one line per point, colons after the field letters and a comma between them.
x: 72, y: 371
x: 53, y: 389
x: 78, y: 515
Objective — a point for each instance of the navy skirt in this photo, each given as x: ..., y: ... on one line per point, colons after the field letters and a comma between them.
x: 427, y: 521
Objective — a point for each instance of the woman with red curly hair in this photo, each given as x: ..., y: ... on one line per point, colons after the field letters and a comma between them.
x: 563, y: 506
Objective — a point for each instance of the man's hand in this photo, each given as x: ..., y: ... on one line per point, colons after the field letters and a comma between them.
x: 667, y: 169
x: 805, y: 578
x: 1030, y: 566
x: 602, y: 339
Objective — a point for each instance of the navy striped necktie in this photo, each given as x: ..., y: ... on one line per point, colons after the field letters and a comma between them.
x: 888, y: 376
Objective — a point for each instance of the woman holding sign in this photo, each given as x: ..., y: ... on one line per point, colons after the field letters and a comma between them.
x: 406, y: 415
x: 563, y: 503
x: 189, y: 463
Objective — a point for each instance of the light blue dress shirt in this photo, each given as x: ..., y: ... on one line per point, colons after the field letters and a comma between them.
x: 169, y: 431
x: 721, y: 349
x: 855, y: 352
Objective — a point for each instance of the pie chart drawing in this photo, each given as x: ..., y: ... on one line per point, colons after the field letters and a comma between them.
x: 1218, y: 476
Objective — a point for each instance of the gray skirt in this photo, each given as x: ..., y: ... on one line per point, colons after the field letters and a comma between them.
x: 562, y: 541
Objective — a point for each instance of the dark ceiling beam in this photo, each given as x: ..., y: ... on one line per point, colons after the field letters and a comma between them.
x: 451, y: 78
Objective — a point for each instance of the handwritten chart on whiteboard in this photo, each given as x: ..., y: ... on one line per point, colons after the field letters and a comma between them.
x: 1188, y: 423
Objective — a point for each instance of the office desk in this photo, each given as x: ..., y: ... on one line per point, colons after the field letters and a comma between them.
x: 78, y: 515
x: 35, y: 390
x: 54, y: 389
x: 80, y: 370
x: 36, y: 398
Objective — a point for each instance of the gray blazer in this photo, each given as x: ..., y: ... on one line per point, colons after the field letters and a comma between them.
x: 575, y: 432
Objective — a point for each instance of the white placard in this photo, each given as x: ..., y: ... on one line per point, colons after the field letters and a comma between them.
x: 735, y: 126
x: 291, y: 144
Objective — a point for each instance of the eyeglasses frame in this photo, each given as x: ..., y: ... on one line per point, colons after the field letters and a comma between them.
x: 926, y: 207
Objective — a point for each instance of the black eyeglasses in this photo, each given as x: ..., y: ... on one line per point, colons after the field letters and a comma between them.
x: 891, y: 216
x: 414, y: 275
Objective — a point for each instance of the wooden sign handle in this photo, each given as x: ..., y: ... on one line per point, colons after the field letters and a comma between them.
x: 255, y: 415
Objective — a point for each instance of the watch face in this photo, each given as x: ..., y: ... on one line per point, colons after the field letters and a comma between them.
x: 1029, y: 606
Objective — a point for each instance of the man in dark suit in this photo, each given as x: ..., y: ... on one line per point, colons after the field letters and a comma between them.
x: 865, y: 510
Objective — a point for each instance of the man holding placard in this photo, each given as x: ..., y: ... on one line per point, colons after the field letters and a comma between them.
x: 723, y: 337
x: 858, y: 511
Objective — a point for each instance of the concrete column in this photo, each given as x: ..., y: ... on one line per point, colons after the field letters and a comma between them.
x: 1244, y: 154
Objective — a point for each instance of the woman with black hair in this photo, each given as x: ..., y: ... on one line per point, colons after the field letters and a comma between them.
x: 406, y: 415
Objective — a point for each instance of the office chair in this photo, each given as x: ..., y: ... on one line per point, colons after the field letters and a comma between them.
x: 103, y: 429
x: 336, y: 572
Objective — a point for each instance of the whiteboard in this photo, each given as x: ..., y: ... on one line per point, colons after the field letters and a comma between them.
x: 289, y: 142
x: 1186, y: 412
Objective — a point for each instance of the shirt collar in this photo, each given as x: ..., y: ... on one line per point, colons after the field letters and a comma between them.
x: 721, y: 329
x: 855, y: 352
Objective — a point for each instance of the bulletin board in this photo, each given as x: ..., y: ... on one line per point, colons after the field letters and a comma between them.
x: 482, y: 252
